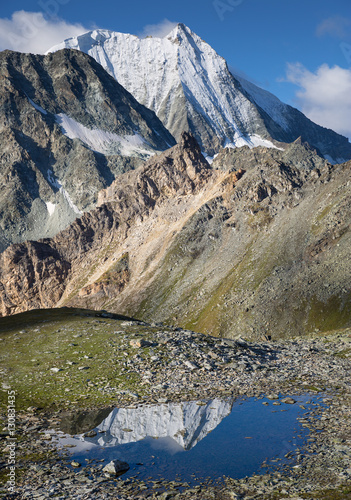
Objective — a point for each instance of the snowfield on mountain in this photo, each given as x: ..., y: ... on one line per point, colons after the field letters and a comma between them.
x: 190, y: 88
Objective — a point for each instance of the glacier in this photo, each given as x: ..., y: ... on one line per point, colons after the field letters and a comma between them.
x: 104, y: 142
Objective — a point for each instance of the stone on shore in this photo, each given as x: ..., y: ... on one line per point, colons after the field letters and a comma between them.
x: 115, y: 467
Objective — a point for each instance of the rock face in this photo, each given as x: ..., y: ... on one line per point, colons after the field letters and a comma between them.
x: 190, y: 87
x: 133, y: 197
x: 67, y: 128
x: 258, y: 244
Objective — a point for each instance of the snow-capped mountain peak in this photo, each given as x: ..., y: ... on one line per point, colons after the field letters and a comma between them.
x: 189, y: 86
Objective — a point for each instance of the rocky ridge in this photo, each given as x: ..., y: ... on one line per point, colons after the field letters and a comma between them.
x: 67, y: 129
x: 257, y: 243
x: 47, y: 264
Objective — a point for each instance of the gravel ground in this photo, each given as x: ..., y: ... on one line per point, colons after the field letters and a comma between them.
x: 185, y: 366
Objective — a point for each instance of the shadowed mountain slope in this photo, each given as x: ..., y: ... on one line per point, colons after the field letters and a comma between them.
x: 67, y: 128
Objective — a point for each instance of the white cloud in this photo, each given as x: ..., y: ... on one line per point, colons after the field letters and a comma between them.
x: 32, y: 32
x: 324, y: 96
x: 159, y: 30
x: 336, y: 26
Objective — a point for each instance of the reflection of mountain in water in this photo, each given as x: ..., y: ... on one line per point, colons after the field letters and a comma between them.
x: 82, y: 421
x: 186, y: 423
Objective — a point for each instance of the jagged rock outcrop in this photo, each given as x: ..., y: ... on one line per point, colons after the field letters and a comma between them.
x: 257, y: 244
x: 67, y: 128
x: 31, y: 268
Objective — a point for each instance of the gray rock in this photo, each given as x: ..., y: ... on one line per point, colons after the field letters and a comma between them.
x: 90, y: 434
x: 289, y: 401
x: 60, y: 177
x: 190, y: 364
x: 116, y: 467
x: 272, y: 396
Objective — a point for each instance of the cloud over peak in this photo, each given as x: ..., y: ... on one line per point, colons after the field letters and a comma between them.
x: 159, y: 30
x: 33, y: 32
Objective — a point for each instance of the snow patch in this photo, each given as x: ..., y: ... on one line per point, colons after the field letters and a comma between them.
x: 209, y: 159
x: 51, y: 207
x: 54, y: 182
x: 36, y: 106
x: 57, y: 184
x: 69, y: 201
x: 252, y: 141
x: 102, y: 141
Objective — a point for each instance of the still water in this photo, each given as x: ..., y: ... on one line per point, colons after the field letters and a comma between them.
x: 196, y: 440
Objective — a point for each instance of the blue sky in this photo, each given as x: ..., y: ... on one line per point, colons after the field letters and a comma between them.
x: 298, y: 50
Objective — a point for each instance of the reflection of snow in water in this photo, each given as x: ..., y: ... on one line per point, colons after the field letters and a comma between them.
x: 186, y: 423
x: 167, y: 441
x: 180, y: 425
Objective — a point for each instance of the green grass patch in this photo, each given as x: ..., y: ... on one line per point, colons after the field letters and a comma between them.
x: 67, y: 358
x: 116, y: 272
x: 245, y: 277
x: 344, y: 354
x: 333, y: 314
x: 341, y: 493
x: 316, y: 225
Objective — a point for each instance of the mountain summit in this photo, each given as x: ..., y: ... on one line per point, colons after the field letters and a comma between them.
x: 190, y: 87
